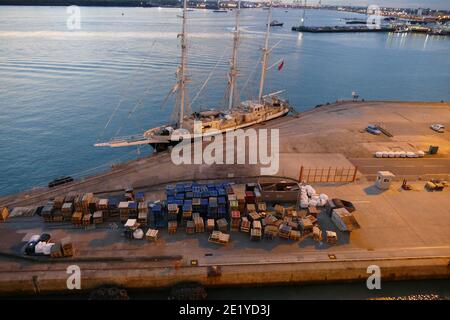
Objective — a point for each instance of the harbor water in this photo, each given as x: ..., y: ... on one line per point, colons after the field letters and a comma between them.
x: 63, y: 90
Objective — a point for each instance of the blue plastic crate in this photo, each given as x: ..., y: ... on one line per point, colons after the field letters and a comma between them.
x: 188, y: 201
x: 213, y: 193
x: 179, y: 196
x: 179, y: 202
x: 221, y: 201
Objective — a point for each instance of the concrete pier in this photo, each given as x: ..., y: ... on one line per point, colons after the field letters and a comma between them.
x: 405, y: 233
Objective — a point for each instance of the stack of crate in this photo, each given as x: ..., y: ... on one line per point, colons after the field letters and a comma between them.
x: 212, y: 208
x: 210, y: 225
x: 250, y: 197
x: 187, y: 211
x: 245, y: 225
x: 294, y: 235
x: 152, y: 235
x: 93, y: 205
x: 139, y: 197
x: 103, y: 207
x: 143, y: 213
x: 317, y: 234
x: 157, y: 217
x: 123, y: 211
x: 196, y: 205
x: 190, y: 227
x: 270, y: 232
x: 198, y: 222
x: 47, y: 211
x: 132, y: 210
x: 306, y: 224
x: 251, y: 208
x: 256, y: 231
x: 262, y: 207
x: 67, y: 211
x: 97, y: 217
x: 239, y: 191
x: 172, y: 227
x: 78, y: 202
x: 67, y: 247
x: 77, y: 218
x: 172, y: 212
x: 85, y: 201
x: 235, y: 220
x: 253, y: 215
x: 331, y: 237
x: 113, y: 207
x: 284, y: 231
x: 87, y: 219
x: 222, y: 225
x: 58, y: 202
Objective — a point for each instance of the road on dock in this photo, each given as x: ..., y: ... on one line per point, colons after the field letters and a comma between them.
x: 403, y: 167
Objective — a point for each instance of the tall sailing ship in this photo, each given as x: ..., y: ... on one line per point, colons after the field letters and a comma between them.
x: 211, y: 122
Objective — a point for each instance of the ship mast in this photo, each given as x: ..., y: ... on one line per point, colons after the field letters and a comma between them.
x: 265, y: 54
x: 233, y: 70
x: 181, y: 72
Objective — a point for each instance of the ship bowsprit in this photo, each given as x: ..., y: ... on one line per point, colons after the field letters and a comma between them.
x: 135, y: 141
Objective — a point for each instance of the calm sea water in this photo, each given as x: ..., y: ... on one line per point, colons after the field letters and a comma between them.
x: 58, y: 87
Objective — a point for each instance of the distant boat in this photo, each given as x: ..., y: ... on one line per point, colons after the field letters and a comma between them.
x: 275, y: 23
x: 220, y: 11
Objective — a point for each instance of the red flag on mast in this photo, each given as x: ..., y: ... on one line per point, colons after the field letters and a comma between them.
x: 280, y: 66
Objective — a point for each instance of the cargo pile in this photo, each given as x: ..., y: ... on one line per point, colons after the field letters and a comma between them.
x: 217, y: 208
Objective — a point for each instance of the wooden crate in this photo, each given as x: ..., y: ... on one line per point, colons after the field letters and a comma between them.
x: 142, y: 218
x: 190, y: 227
x: 222, y: 225
x: 306, y: 225
x: 67, y: 210
x: 103, y: 204
x: 294, y: 235
x: 199, y: 224
x: 97, y: 217
x: 245, y: 225
x: 284, y: 231
x: 331, y: 237
x: 257, y: 225
x: 255, y: 234
x: 172, y: 227
x: 77, y: 218
x: 251, y: 208
x: 67, y: 247
x: 210, y: 225
x: 262, y: 207
x: 56, y: 251
x: 270, y: 232
x: 87, y: 219
x: 317, y: 234
x: 152, y: 235
x: 58, y: 202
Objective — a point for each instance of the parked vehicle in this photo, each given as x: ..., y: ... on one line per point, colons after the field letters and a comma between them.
x: 438, y: 127
x: 59, y: 181
x: 373, y: 129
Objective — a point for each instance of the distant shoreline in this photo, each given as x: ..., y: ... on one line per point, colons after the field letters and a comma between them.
x: 90, y: 3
